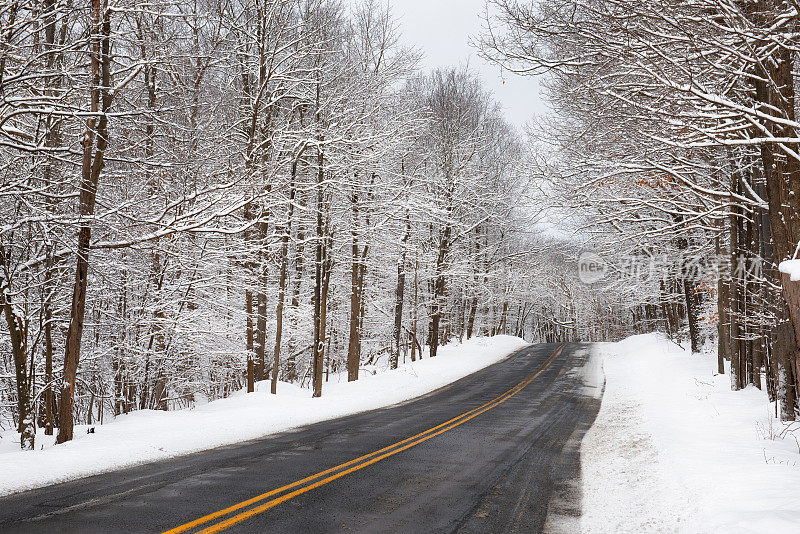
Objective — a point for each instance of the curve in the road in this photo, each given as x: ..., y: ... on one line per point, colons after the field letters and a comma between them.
x: 505, y: 458
x: 353, y: 465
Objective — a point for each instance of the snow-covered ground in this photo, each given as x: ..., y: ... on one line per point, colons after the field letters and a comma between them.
x: 146, y: 436
x: 673, y: 449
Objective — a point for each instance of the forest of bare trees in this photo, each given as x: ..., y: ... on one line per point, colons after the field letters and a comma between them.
x: 674, y: 134
x: 198, y: 196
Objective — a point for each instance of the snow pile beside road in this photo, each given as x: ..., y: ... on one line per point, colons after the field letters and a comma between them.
x: 145, y: 436
x: 673, y: 449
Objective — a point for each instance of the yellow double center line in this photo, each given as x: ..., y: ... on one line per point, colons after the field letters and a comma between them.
x: 341, y: 470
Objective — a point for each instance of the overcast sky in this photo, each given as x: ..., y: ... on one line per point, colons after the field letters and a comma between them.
x: 441, y: 30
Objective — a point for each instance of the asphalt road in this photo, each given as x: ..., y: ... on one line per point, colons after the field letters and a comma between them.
x: 497, y: 451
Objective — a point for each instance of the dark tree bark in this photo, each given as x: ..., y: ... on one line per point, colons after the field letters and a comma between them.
x: 279, y: 314
x: 321, y: 278
x: 48, y: 397
x: 92, y: 166
x: 775, y: 96
x: 473, y: 304
x: 414, y: 318
x: 399, y: 296
x: 501, y: 328
x: 248, y: 299
x: 259, y: 367
x: 723, y: 324
x: 737, y: 371
x: 688, y: 285
x: 692, y: 315
x: 19, y: 350
x: 287, y: 230
x: 52, y: 41
x: 354, y: 343
x: 439, y: 287
x: 784, y: 343
x: 291, y: 360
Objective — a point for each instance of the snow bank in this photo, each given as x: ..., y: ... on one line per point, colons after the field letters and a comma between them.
x: 146, y: 436
x: 673, y: 449
x: 792, y: 268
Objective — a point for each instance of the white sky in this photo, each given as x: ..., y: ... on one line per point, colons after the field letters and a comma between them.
x: 441, y: 30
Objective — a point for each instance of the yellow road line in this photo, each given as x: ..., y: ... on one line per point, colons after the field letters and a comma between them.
x: 243, y: 504
x: 376, y: 457
x: 233, y: 508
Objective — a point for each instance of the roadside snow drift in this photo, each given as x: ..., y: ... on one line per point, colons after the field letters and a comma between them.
x: 145, y: 436
x: 673, y: 449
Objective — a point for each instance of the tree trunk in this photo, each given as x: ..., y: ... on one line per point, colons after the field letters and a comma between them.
x: 325, y: 286
x: 276, y: 361
x: 248, y: 300
x: 261, y: 319
x: 282, y: 283
x: 19, y: 350
x: 734, y: 291
x: 291, y: 360
x: 320, y: 292
x: 414, y: 312
x: 399, y: 297
x: 90, y: 174
x: 775, y: 96
x: 723, y: 324
x: 48, y: 397
x: 473, y: 309
x: 784, y: 343
x: 692, y: 315
x: 439, y: 289
x: 354, y: 344
x: 688, y: 284
x: 501, y: 328
x: 52, y: 139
